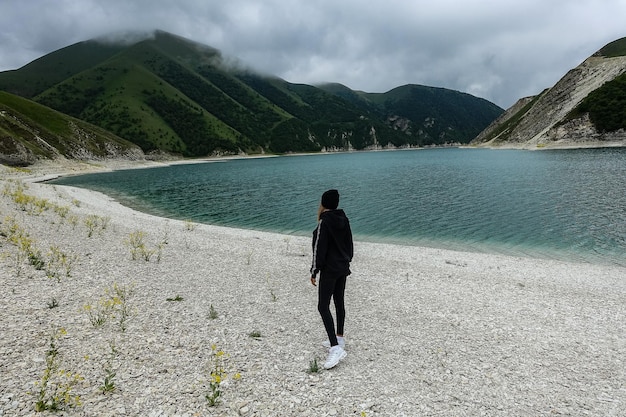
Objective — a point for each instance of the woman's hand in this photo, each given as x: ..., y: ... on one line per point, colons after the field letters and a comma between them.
x: 313, y: 281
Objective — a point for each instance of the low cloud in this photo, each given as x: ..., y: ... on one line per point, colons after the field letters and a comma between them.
x: 500, y: 51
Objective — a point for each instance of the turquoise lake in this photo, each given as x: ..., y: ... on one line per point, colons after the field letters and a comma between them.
x: 559, y: 204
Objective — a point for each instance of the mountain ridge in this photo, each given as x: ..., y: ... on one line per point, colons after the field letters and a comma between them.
x: 168, y: 94
x: 558, y: 117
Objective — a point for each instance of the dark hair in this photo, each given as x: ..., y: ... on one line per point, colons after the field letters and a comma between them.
x: 330, y: 199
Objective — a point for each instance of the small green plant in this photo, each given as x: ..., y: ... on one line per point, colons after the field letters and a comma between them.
x: 35, y: 259
x: 269, y: 284
x: 121, y: 295
x: 61, y: 211
x: 137, y: 244
x: 313, y: 366
x: 10, y: 227
x: 100, y: 313
x: 59, y: 264
x: 255, y: 334
x: 109, y: 372
x: 109, y: 381
x: 177, y: 298
x: 56, y: 384
x: 212, y: 313
x: 93, y: 222
x: 40, y: 205
x: 22, y: 200
x: 190, y: 226
x: 138, y: 249
x: 27, y: 203
x: 159, y: 250
x: 25, y: 244
x: 73, y: 220
x: 217, y: 375
x: 17, y: 236
x: 21, y: 169
x: 115, y: 304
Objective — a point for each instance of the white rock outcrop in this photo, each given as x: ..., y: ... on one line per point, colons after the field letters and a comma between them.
x: 542, y: 118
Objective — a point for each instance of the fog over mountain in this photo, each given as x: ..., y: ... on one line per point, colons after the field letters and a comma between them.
x: 168, y: 94
x: 499, y: 51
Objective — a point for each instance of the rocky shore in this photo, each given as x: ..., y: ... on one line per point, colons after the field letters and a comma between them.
x: 146, y: 315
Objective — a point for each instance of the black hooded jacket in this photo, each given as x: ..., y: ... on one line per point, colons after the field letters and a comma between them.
x: 332, y: 244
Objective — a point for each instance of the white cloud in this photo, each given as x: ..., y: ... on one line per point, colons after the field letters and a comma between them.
x: 497, y: 50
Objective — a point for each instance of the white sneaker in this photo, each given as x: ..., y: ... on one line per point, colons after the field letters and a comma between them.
x: 342, y: 343
x: 335, y: 355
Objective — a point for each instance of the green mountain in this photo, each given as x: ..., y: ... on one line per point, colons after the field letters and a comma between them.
x: 613, y: 49
x: 167, y: 93
x: 30, y: 131
x: 437, y: 115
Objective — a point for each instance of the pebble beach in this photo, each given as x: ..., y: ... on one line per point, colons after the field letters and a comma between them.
x: 135, y: 315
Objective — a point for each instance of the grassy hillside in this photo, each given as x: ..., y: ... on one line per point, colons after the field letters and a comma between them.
x: 55, y: 67
x: 613, y: 49
x: 606, y: 106
x: 29, y: 131
x: 171, y: 94
x: 438, y: 115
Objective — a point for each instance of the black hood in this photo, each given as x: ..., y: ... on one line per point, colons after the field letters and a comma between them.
x: 336, y: 219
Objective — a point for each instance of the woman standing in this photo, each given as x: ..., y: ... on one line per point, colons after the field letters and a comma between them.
x: 332, y: 253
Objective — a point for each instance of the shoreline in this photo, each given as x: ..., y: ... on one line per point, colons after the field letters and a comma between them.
x: 429, y: 331
x: 40, y: 174
x: 76, y: 167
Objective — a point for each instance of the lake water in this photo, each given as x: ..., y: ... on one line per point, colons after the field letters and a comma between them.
x: 562, y: 204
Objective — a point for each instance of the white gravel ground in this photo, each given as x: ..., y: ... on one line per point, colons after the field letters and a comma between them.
x: 429, y: 332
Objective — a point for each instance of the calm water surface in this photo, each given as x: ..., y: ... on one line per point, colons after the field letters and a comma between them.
x: 564, y: 204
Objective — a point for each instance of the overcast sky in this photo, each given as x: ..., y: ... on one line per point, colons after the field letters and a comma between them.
x: 500, y: 50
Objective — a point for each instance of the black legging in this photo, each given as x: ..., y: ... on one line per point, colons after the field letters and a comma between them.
x: 332, y: 286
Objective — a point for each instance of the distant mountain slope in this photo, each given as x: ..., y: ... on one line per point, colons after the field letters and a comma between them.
x: 436, y: 115
x: 587, y: 106
x: 29, y: 131
x: 55, y: 67
x: 166, y: 93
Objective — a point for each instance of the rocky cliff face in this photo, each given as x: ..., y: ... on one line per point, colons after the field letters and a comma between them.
x: 540, y: 121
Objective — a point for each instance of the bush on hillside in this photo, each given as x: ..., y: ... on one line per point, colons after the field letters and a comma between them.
x: 607, y: 105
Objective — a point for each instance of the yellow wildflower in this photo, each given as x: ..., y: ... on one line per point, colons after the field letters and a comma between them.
x: 217, y: 378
